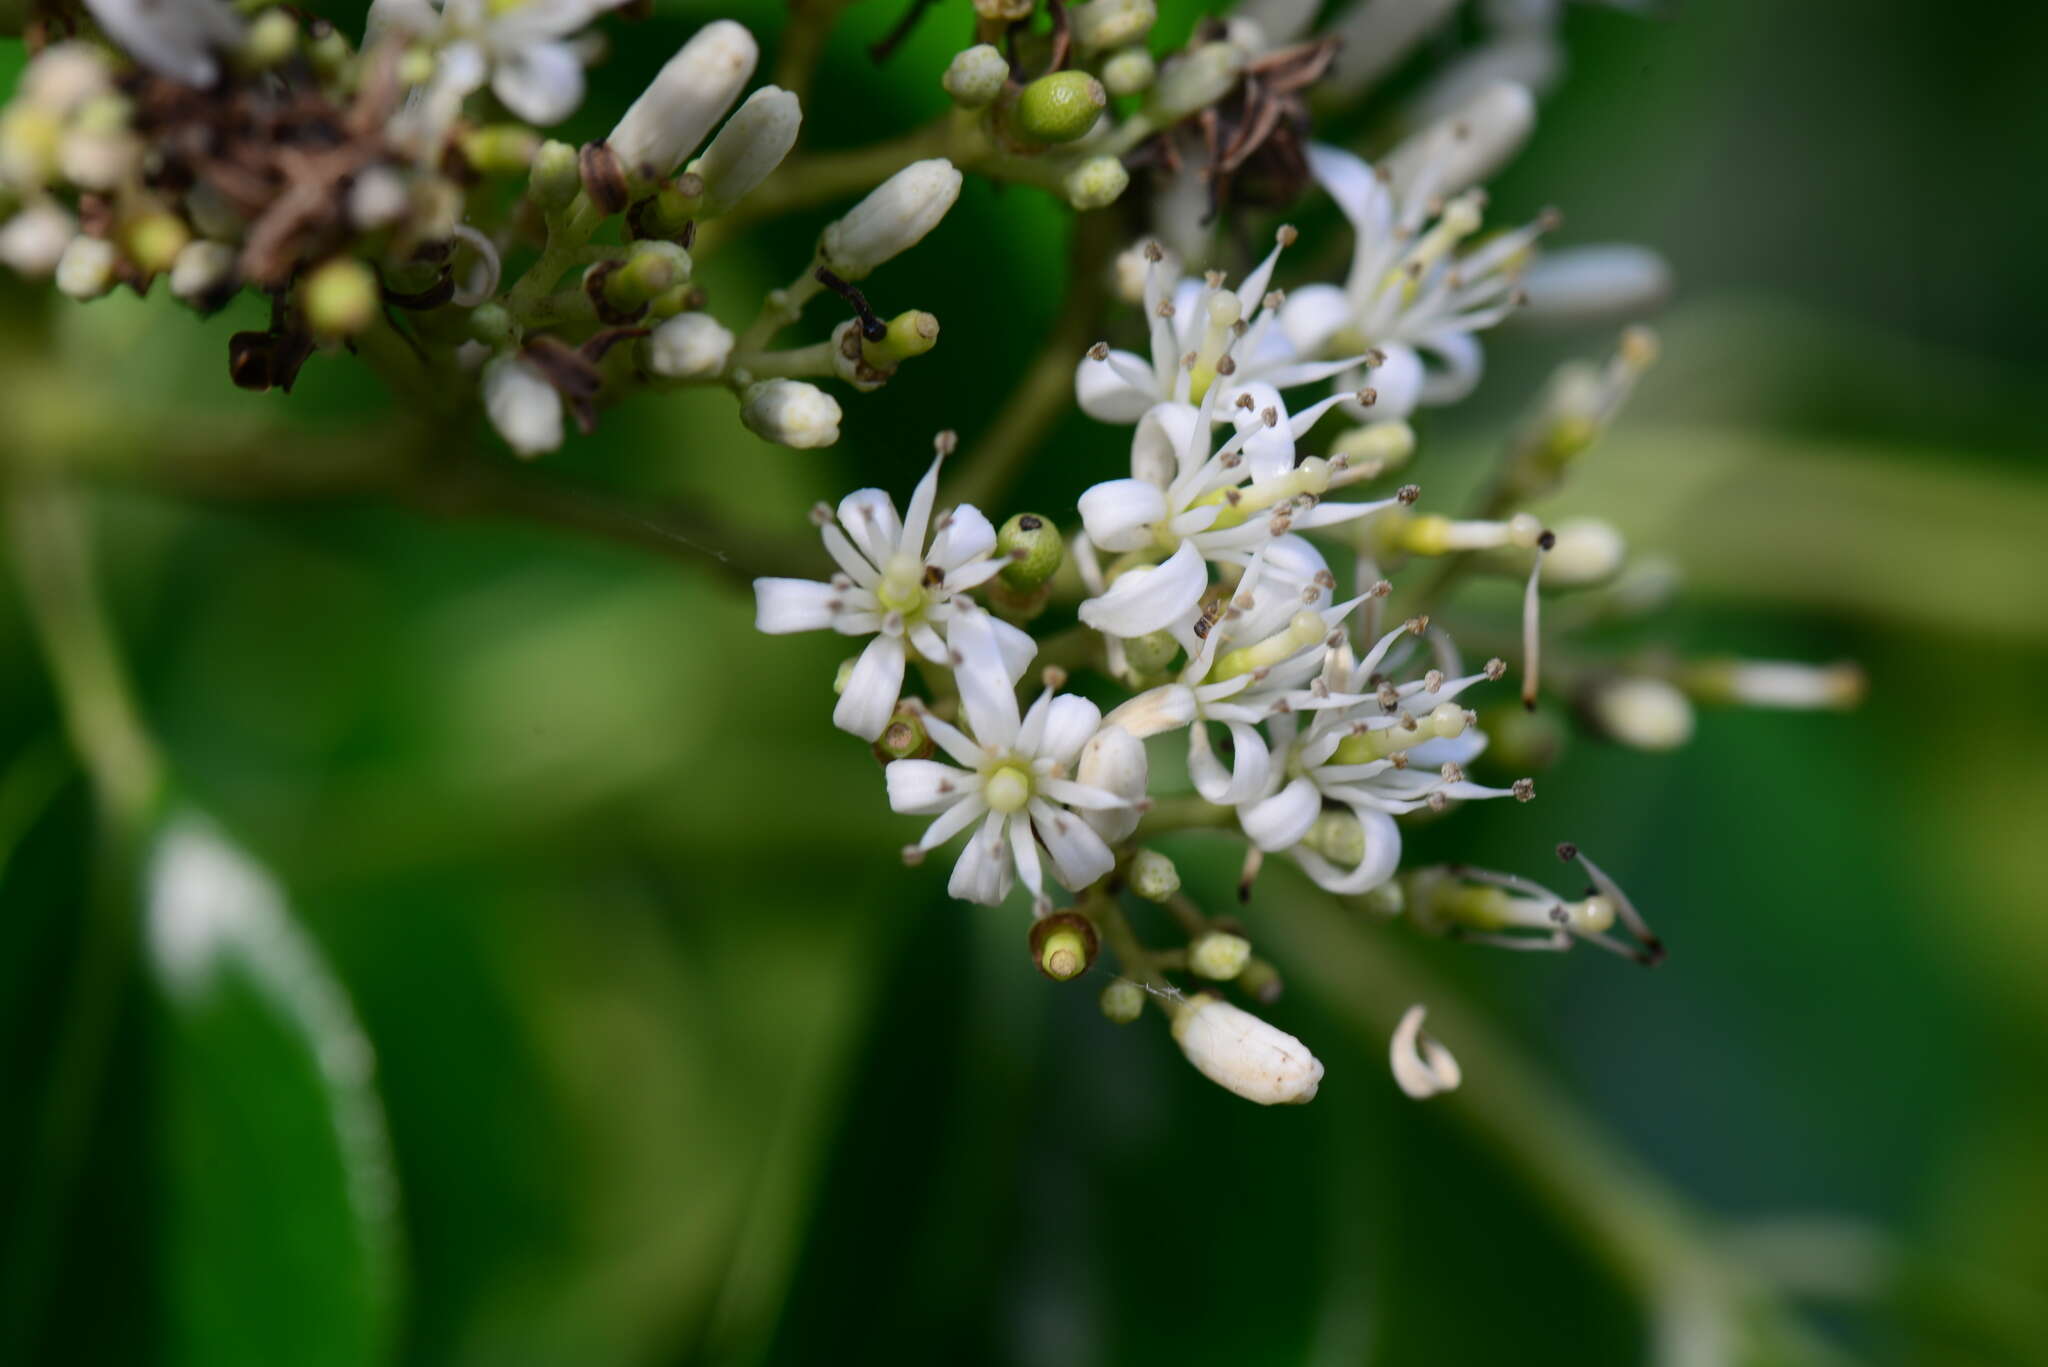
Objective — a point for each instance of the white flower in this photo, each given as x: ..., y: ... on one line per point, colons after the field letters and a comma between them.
x: 1202, y: 507
x: 1409, y: 293
x: 892, y: 219
x: 1012, y: 780
x: 1241, y: 1053
x: 523, y: 49
x: 1422, y: 1067
x: 688, y: 95
x: 1233, y: 336
x: 522, y: 405
x: 177, y: 38
x: 1371, y: 759
x: 896, y: 588
x: 792, y: 413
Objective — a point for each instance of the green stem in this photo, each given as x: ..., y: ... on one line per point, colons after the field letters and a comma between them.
x: 796, y: 363
x: 1186, y: 813
x: 803, y: 43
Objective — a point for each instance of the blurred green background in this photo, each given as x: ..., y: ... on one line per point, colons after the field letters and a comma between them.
x: 678, y: 1064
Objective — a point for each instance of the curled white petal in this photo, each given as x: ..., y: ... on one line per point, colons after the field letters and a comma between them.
x: 1280, y: 821
x: 1114, y: 760
x: 1152, y: 598
x: 1119, y: 514
x: 1422, y: 1067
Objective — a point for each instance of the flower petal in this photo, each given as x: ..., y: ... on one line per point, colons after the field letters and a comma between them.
x: 1106, y: 391
x: 1079, y: 856
x: 983, y: 871
x: 925, y: 785
x: 1119, y: 514
x: 1280, y: 821
x: 872, y: 689
x: 1312, y: 315
x: 541, y: 82
x: 986, y: 692
x: 785, y: 605
x: 869, y: 516
x: 964, y: 534
x: 1351, y: 182
x: 1149, y: 599
x: 1382, y: 856
x: 1069, y: 722
x: 1026, y: 850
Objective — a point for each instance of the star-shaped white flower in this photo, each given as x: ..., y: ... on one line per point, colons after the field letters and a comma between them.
x: 522, y: 48
x: 1012, y: 779
x: 894, y: 587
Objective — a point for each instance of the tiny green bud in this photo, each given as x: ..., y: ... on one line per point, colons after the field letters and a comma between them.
x: 1096, y: 183
x: 1153, y: 876
x: 1063, y: 945
x: 1261, y: 982
x: 904, y: 738
x: 153, y: 241
x: 975, y: 77
x: 1060, y: 107
x: 1151, y: 654
x: 1035, y: 548
x: 501, y: 149
x: 651, y: 268
x: 1337, y: 837
x: 556, y: 176
x: 1389, y: 899
x: 1219, y: 955
x: 1520, y: 740
x: 269, y: 41
x: 1194, y: 81
x: 1123, y: 1001
x: 1129, y: 72
x: 328, y: 50
x: 492, y: 324
x: 340, y: 297
x: 1103, y: 24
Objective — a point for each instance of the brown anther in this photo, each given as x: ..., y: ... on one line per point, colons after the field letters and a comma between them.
x: 1099, y: 352
x: 1524, y: 790
x: 821, y: 514
x: 1375, y: 358
x: 933, y: 576
x: 1408, y: 493
x: 1437, y: 802
x: 1399, y: 759
x: 1154, y: 252
x: 1416, y: 625
x: 1367, y: 396
x: 1452, y: 773
x: 1053, y: 677
x: 945, y: 441
x: 1547, y: 541
x: 1326, y: 580
x: 1496, y: 668
x: 1244, y: 401
x: 1274, y: 299
x: 1286, y: 235
x: 1380, y: 588
x: 1433, y: 681
x: 1270, y: 416
x: 1408, y: 722
x: 1567, y: 851
x: 1213, y: 279
x: 1226, y: 365
x: 1165, y: 309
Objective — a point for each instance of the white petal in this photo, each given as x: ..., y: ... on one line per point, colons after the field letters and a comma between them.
x: 1104, y: 392
x: 1079, y: 856
x: 917, y: 516
x: 1357, y: 190
x: 869, y: 516
x: 1149, y: 599
x: 786, y: 605
x: 964, y: 534
x: 1068, y: 724
x: 542, y: 83
x: 1312, y: 315
x: 1280, y: 821
x: 1468, y: 145
x: 1119, y: 514
x: 1461, y: 360
x: 1166, y: 708
x: 1026, y: 850
x: 1268, y: 451
x: 983, y: 871
x: 1594, y: 283
x: 951, y: 822
x: 1421, y: 1066
x: 872, y: 689
x: 925, y: 785
x: 1382, y: 856
x: 1165, y: 431
x: 1018, y: 647
x: 986, y: 692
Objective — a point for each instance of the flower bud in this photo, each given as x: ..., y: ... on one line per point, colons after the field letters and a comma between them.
x: 790, y: 413
x: 893, y: 218
x: 1129, y: 72
x: 1777, y: 683
x: 29, y: 139
x: 1338, y: 837
x: 556, y: 175
x: 340, y: 297
x: 686, y: 97
x: 1060, y: 107
x: 100, y: 150
x: 1114, y: 760
x: 33, y: 241
x: 1193, y: 81
x: 1586, y: 551
x: 501, y: 149
x: 650, y: 268
x: 1096, y: 183
x: 1520, y: 741
x: 1219, y: 955
x: 1152, y: 876
x: 1241, y: 1053
x: 1648, y: 714
x: 153, y: 240
x: 522, y: 405
x: 1063, y: 945
x: 975, y: 77
x: 203, y: 272
x: 86, y: 269
x: 904, y: 737
x: 1422, y: 1067
x: 753, y: 143
x: 1035, y: 548
x: 272, y: 37
x: 1123, y: 1001
x: 689, y: 346
x: 64, y: 76
x: 1151, y: 653
x: 1103, y: 24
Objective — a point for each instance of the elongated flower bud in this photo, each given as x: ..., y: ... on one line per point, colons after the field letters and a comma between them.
x: 522, y: 405
x: 791, y: 413
x: 686, y: 97
x: 1241, y: 1053
x: 892, y: 219
x: 1103, y: 24
x: 753, y: 143
x: 1189, y: 83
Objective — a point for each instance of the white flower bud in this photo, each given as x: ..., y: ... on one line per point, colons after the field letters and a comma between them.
x: 686, y: 97
x: 1096, y: 183
x: 892, y: 219
x: 1241, y: 1053
x: 1102, y: 24
x: 33, y: 241
x: 1114, y: 760
x: 791, y: 413
x: 1129, y: 71
x: 975, y: 77
x: 99, y: 152
x: 1422, y: 1067
x: 86, y: 269
x: 1594, y: 283
x: 1468, y: 145
x: 523, y: 406
x: 64, y: 76
x: 200, y: 269
x: 1587, y: 551
x: 1152, y: 876
x: 689, y: 346
x: 1198, y: 79
x: 1648, y: 714
x: 753, y: 143
x: 1219, y: 955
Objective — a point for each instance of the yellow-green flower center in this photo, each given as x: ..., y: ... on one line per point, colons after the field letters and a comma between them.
x: 1007, y: 789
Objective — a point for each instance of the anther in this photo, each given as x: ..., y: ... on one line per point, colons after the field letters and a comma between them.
x: 1274, y: 299
x: 1244, y: 401
x: 1547, y: 541
x: 1099, y: 352
x: 1433, y: 680
x: 1524, y: 790
x: 1567, y: 851
x: 1375, y: 358
x: 1285, y: 235
x: 1415, y: 626
x: 1399, y: 759
x: 1452, y: 773
x: 1225, y: 366
x: 1367, y: 397
x: 946, y: 441
x: 1053, y: 677
x: 1270, y: 416
x: 1438, y: 802
x: 1408, y: 493
x: 1325, y: 580
x: 912, y: 856
x: 1380, y: 588
x: 1496, y: 668
x: 821, y: 514
x: 1154, y: 252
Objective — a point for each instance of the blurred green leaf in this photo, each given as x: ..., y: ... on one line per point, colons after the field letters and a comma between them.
x: 279, y: 1235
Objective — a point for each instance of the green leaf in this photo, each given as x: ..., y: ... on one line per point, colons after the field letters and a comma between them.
x: 280, y: 1239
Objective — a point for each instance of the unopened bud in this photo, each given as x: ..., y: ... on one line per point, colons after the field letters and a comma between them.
x: 753, y: 143
x: 1103, y: 24
x: 1153, y: 876
x: 33, y: 241
x: 1646, y: 713
x: 1035, y: 550
x: 1587, y: 551
x: 340, y: 297
x: 153, y: 240
x: 975, y: 77
x: 1193, y: 81
x: 1060, y: 107
x: 651, y: 268
x: 500, y: 149
x: 270, y: 40
x: 1594, y: 283
x: 791, y: 413
x: 1151, y: 653
x: 1219, y: 955
x: 86, y: 268
x: 1123, y: 1001
x: 689, y: 346
x: 1337, y: 836
x: 1063, y: 945
x: 904, y: 737
x: 522, y: 405
x: 1129, y: 72
x: 1114, y: 761
x: 686, y: 97
x: 203, y: 271
x: 556, y: 176
x: 1241, y: 1053
x: 893, y: 218
x: 1096, y: 183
